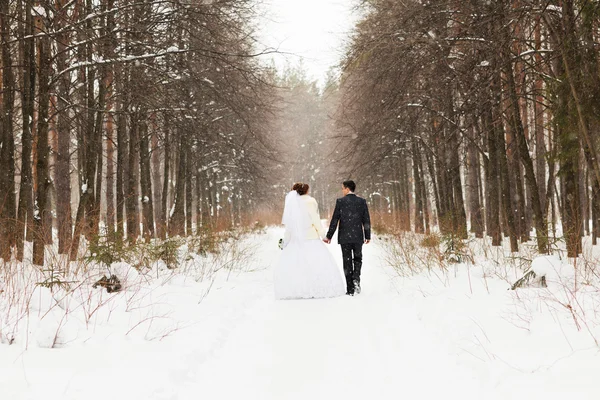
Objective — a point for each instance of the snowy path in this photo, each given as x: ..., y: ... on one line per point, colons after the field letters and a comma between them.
x: 241, y: 343
x: 367, y: 347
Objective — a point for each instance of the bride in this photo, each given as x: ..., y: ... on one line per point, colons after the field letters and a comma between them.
x: 306, y: 268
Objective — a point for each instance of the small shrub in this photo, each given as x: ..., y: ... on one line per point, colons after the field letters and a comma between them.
x: 455, y: 249
x: 382, y: 228
x: 53, y: 278
x: 206, y: 242
x: 106, y: 250
x: 431, y: 241
x: 167, y: 251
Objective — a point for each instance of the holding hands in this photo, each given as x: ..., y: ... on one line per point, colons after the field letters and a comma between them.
x: 328, y: 241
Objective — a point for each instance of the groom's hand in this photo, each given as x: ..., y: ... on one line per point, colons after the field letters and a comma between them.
x: 326, y: 240
x: 367, y: 241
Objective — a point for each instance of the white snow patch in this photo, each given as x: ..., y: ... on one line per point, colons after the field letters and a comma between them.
x: 555, y: 270
x: 38, y: 11
x: 552, y: 7
x: 128, y: 275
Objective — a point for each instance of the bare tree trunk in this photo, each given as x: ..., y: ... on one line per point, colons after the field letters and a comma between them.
x: 505, y: 184
x: 94, y: 213
x: 419, y: 222
x: 110, y: 166
x: 63, y: 157
x: 122, y: 162
x: 177, y: 220
x: 133, y: 226
x: 237, y: 207
x: 225, y: 200
x: 166, y: 178
x: 146, y: 183
x: 444, y: 186
x: 43, y: 232
x: 25, y: 211
x: 405, y: 195
x: 425, y: 198
x: 156, y: 181
x: 523, y: 222
x: 214, y: 204
x: 540, y: 147
x: 198, y: 193
x: 111, y: 44
x: 569, y: 168
x: 595, y: 211
x: 459, y: 216
x: 583, y: 205
x: 476, y: 216
x: 89, y: 160
x: 205, y: 195
x: 7, y: 143
x: 188, y: 190
x: 432, y: 176
x: 492, y: 174
x: 395, y: 197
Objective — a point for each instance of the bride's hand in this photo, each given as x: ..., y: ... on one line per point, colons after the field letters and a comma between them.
x: 327, y: 240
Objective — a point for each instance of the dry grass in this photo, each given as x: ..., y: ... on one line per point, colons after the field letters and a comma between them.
x: 577, y: 298
x: 63, y: 289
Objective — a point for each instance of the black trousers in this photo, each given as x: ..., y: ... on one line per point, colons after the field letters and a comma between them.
x: 352, y: 254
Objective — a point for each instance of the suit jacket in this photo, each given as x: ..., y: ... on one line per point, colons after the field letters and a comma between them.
x: 352, y: 215
x: 316, y: 230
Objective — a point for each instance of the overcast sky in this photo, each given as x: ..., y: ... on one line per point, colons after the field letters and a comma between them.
x: 314, y: 31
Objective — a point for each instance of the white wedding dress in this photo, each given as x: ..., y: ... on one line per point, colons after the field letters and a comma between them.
x: 306, y: 268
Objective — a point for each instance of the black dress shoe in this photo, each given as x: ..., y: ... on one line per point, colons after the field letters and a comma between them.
x: 349, y: 293
x: 357, y: 287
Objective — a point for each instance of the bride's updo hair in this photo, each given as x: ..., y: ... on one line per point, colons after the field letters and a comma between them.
x: 301, y: 188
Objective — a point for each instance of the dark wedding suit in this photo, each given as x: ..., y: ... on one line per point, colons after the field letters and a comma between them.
x: 352, y: 214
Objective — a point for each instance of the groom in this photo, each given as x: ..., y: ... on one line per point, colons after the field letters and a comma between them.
x: 352, y: 214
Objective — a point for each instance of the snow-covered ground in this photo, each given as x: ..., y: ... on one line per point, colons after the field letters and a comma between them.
x: 454, y: 334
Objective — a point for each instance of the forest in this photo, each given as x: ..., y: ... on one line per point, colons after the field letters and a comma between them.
x: 454, y: 116
x: 152, y: 247
x: 478, y: 116
x: 127, y: 120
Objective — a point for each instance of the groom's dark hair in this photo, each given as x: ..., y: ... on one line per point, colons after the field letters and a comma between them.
x: 350, y: 185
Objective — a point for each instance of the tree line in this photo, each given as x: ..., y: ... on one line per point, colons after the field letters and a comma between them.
x: 128, y: 119
x: 477, y: 115
x: 304, y: 137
